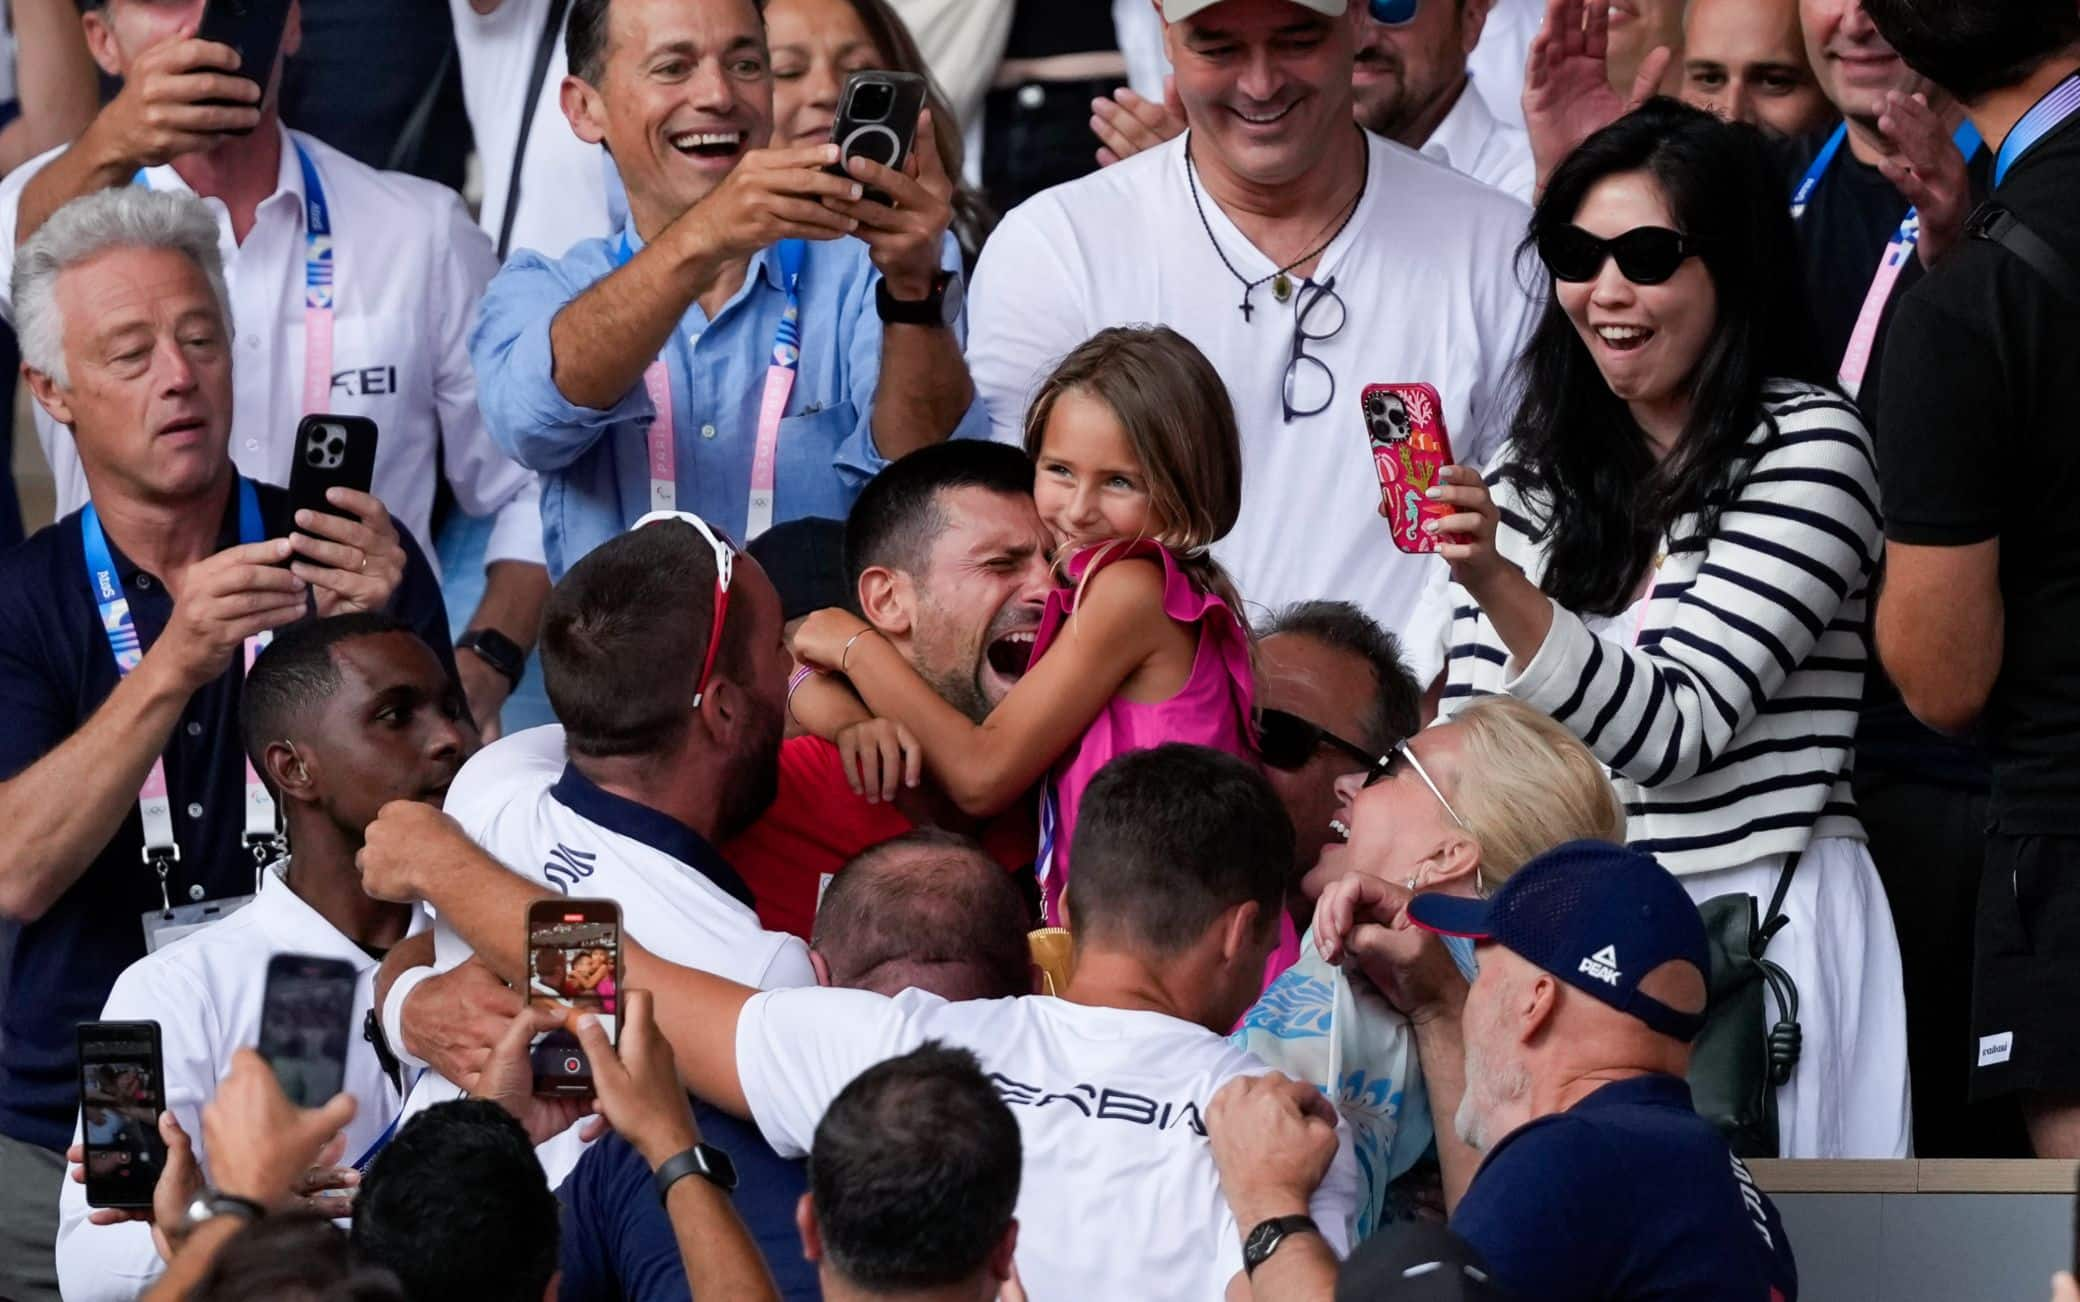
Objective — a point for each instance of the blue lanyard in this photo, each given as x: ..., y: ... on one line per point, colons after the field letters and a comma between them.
x: 382, y: 1141
x: 123, y: 638
x: 1967, y: 139
x: 2040, y: 121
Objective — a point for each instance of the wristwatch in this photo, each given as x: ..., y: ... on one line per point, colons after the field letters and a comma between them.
x: 210, y: 1204
x: 704, y: 1160
x: 497, y: 650
x: 941, y: 307
x: 1264, y: 1240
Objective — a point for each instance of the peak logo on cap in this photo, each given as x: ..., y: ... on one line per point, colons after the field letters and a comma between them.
x: 1603, y: 965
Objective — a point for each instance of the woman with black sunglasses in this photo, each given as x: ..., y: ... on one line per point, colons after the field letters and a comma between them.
x: 1674, y: 562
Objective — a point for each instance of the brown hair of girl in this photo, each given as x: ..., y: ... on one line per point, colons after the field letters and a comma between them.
x: 1181, y: 428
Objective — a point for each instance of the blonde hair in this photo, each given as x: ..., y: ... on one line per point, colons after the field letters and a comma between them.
x: 1181, y: 427
x: 1532, y: 785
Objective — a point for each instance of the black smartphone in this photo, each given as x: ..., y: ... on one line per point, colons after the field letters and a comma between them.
x: 573, y: 961
x: 254, y: 29
x: 122, y: 1091
x: 877, y: 120
x: 306, y: 1022
x: 331, y: 452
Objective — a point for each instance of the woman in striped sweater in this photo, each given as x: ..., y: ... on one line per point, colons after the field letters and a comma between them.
x: 1673, y: 562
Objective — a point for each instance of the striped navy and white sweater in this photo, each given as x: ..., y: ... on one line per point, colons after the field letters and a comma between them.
x: 1729, y: 727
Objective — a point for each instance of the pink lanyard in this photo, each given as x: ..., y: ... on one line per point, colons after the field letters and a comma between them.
x: 662, y: 439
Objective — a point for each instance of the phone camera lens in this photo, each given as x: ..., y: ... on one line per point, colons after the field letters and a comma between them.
x: 316, y: 456
x: 873, y: 102
x: 336, y: 446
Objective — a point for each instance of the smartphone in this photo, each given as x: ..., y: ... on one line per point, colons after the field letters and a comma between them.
x: 331, y: 452
x: 1405, y: 425
x: 122, y: 1091
x: 877, y: 120
x: 573, y: 961
x: 306, y: 1023
x: 254, y: 29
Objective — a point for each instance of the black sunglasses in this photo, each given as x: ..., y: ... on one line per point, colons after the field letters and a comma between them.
x: 1647, y: 255
x: 1287, y: 742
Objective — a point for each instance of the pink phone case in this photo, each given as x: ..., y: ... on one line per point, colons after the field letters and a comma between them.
x: 1405, y: 424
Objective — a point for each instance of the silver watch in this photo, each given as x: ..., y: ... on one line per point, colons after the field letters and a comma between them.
x: 210, y: 1204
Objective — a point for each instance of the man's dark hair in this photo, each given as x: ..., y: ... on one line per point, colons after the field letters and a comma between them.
x: 928, y: 909
x: 915, y: 1172
x: 457, y: 1206
x: 1974, y: 47
x: 897, y: 517
x: 297, y: 1256
x: 1170, y: 838
x: 623, y: 637
x: 297, y: 673
x: 585, y: 38
x: 1397, y: 700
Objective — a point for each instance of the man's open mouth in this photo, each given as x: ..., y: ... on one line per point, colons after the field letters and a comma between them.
x: 708, y: 144
x: 1010, y: 654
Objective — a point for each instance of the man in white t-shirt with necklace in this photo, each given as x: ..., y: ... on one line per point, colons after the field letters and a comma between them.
x: 1182, y: 855
x: 1273, y: 204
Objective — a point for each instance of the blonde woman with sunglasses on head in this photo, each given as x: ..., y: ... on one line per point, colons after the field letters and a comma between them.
x: 1458, y: 807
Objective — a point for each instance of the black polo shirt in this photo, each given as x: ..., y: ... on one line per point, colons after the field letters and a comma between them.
x: 1981, y: 412
x: 55, y: 671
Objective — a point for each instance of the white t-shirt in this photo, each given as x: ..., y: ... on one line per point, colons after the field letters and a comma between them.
x: 563, y: 185
x: 206, y: 991
x: 1119, y: 1195
x: 410, y: 268
x: 1426, y: 272
x: 520, y: 800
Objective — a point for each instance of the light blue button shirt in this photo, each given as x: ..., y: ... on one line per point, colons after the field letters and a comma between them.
x: 594, y: 464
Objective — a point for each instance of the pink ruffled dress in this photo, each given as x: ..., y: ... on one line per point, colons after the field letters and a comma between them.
x: 1212, y: 709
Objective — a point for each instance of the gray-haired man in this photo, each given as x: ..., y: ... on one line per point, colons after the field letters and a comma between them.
x: 125, y: 629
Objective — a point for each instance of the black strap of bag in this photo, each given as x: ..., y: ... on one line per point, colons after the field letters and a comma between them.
x: 1742, y: 1056
x: 544, y: 46
x: 2001, y: 226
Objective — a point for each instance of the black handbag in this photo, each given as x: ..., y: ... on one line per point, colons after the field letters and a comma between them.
x: 1740, y: 1058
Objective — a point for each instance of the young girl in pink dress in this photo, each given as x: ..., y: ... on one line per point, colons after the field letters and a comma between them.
x: 1137, y: 471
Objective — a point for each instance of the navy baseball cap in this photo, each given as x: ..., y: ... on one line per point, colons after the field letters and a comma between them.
x: 1596, y: 915
x: 1415, y: 1261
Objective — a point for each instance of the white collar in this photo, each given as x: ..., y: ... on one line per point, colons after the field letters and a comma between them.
x: 293, y: 925
x: 1458, y: 140
x: 288, y: 178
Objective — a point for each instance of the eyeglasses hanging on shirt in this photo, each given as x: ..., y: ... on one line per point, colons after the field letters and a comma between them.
x: 1903, y: 246
x: 162, y: 850
x: 662, y: 439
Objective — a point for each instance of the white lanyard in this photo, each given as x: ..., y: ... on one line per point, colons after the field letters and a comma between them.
x: 786, y: 361
x: 154, y: 804
x: 317, y: 285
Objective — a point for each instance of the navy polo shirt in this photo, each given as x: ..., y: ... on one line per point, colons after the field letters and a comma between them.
x: 55, y: 671
x: 618, y: 1241
x: 1629, y: 1195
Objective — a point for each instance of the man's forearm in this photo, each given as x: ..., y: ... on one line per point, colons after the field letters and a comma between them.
x: 720, y: 1257
x: 59, y: 813
x: 60, y: 87
x: 1303, y: 1269
x: 924, y: 389
x: 514, y: 594
x: 88, y: 166
x: 604, y: 338
x: 1442, y: 1052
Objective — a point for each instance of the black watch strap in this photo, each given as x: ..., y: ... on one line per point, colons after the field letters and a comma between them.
x: 1265, y: 1238
x: 704, y: 1160
x: 497, y: 650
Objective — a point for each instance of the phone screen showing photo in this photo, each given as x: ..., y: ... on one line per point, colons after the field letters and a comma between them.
x: 573, y: 961
x: 121, y: 1095
x: 306, y: 1022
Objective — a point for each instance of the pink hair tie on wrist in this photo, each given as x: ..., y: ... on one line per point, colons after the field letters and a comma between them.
x: 802, y: 674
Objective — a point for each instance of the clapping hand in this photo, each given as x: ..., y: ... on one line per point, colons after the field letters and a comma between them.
x: 1923, y: 163
x: 1567, y: 89
x: 1127, y: 124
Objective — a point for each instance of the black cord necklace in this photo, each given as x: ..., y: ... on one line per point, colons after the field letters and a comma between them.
x: 1281, y: 283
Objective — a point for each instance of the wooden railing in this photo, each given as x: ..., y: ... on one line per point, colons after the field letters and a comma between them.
x: 1954, y: 1176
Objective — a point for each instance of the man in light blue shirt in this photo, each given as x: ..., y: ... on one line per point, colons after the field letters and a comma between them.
x: 691, y: 297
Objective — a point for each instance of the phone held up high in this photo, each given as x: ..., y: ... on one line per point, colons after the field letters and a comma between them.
x: 306, y: 1023
x: 254, y: 29
x: 122, y: 1091
x: 1405, y: 425
x: 573, y: 961
x: 877, y: 120
x: 331, y: 452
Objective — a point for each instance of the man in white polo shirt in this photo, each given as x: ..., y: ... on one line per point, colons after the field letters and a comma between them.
x: 1275, y: 204
x: 1182, y: 859
x: 352, y: 291
x: 650, y: 768
x: 341, y: 715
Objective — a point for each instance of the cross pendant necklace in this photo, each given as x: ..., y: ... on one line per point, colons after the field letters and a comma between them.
x: 1281, y: 281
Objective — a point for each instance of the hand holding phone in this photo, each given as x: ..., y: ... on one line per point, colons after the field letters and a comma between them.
x: 254, y: 29
x: 1404, y: 423
x: 122, y: 1092
x: 637, y: 1081
x: 573, y: 962
x: 877, y: 121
